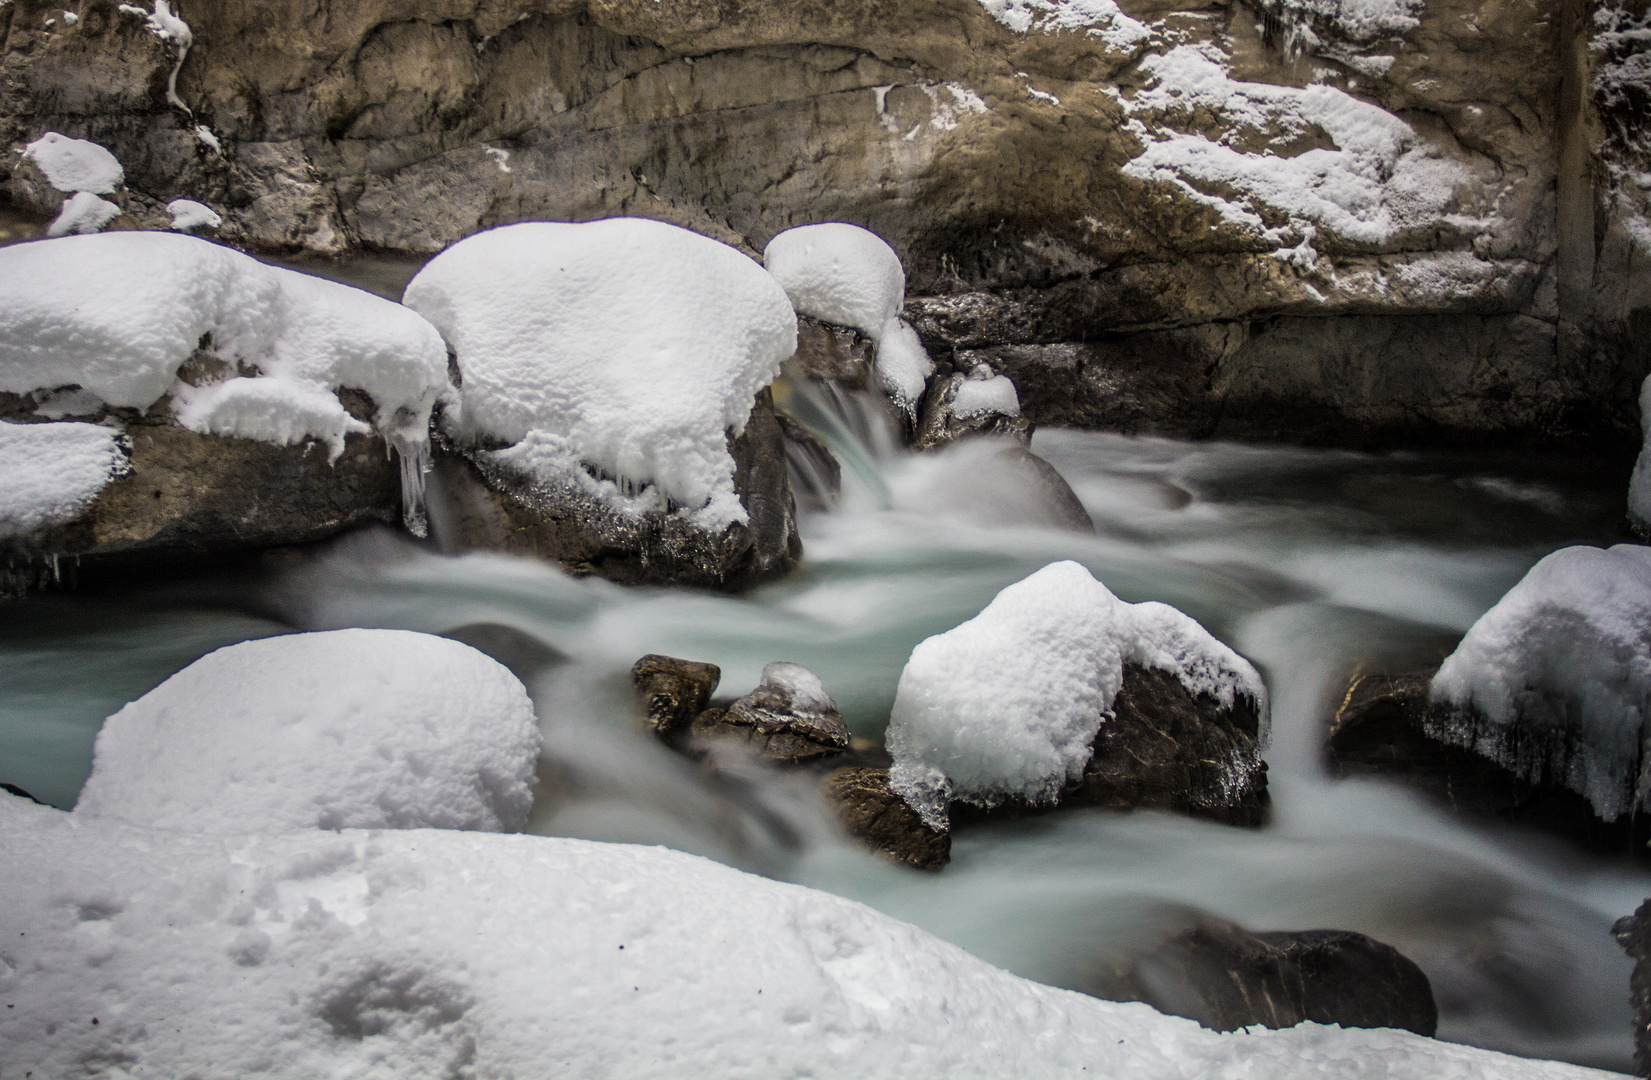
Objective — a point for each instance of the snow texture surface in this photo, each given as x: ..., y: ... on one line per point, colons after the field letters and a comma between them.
x: 49, y: 473
x: 1378, y: 180
x: 429, y: 954
x: 1008, y: 704
x: 991, y: 395
x: 72, y: 165
x: 82, y: 213
x: 848, y: 276
x: 1098, y: 18
x: 188, y: 214
x: 362, y: 729
x: 625, y: 345
x: 1562, y: 661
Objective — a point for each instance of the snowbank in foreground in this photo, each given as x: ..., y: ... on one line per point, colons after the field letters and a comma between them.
x: 372, y: 729
x: 1562, y: 664
x: 1007, y: 705
x: 428, y: 953
x: 627, y: 345
x: 847, y: 276
x: 118, y: 314
x: 50, y: 472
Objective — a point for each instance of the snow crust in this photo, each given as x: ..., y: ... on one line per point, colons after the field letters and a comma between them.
x: 1563, y: 660
x: 365, y: 729
x: 625, y: 345
x: 428, y: 953
x: 1007, y: 705
x: 848, y: 276
x: 72, y: 165
x: 49, y: 473
x: 82, y: 213
x: 1098, y: 18
x: 119, y: 313
x: 188, y: 214
x: 1639, y: 485
x: 1380, y: 178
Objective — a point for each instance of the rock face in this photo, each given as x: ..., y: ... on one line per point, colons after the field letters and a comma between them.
x: 1040, y: 183
x: 1633, y: 933
x: 477, y: 504
x: 1227, y: 978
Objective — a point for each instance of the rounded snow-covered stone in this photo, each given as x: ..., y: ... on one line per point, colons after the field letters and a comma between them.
x: 376, y: 729
x: 50, y: 472
x: 72, y: 165
x: 839, y: 274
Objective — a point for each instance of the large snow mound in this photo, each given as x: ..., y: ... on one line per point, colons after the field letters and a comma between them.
x: 625, y: 345
x: 434, y: 954
x: 1562, y: 661
x: 848, y: 276
x: 1008, y: 704
x: 49, y: 473
x: 1639, y: 485
x: 118, y: 314
x: 71, y: 165
x: 369, y: 729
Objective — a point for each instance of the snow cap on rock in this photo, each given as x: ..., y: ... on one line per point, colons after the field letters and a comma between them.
x: 72, y: 165
x: 627, y: 345
x: 50, y: 472
x: 1008, y: 704
x: 371, y: 729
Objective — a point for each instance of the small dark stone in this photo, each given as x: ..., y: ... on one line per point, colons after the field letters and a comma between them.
x: 673, y: 692
x: 871, y: 811
x: 13, y: 789
x: 1633, y: 933
x: 938, y: 425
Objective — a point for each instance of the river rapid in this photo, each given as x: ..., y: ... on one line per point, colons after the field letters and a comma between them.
x: 1309, y: 562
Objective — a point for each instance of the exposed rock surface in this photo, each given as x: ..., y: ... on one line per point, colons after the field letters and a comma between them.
x: 872, y: 812
x: 1227, y: 978
x: 1633, y: 933
x: 941, y: 422
x: 673, y: 691
x: 788, y: 719
x: 1025, y: 173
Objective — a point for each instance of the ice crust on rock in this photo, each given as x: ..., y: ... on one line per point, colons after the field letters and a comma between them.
x: 1098, y: 18
x: 804, y: 688
x: 848, y: 276
x: 1007, y: 705
x: 118, y: 314
x: 364, y: 729
x: 82, y: 213
x: 49, y: 473
x: 433, y: 953
x: 1554, y: 681
x: 628, y: 346
x: 72, y: 165
x: 188, y: 214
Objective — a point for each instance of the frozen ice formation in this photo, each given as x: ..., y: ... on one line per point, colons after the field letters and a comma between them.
x: 431, y: 953
x: 118, y: 314
x: 845, y: 275
x: 1008, y: 704
x: 1554, y: 682
x: 50, y: 472
x: 623, y: 346
x: 344, y: 729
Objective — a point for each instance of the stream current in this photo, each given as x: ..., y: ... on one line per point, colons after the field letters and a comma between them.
x: 1308, y: 562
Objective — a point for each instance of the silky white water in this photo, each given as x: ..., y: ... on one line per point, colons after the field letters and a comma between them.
x: 1308, y: 562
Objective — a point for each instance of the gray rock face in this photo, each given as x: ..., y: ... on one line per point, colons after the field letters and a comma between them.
x: 1509, y: 301
x: 1633, y: 933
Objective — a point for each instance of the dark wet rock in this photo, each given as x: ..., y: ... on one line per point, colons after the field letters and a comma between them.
x: 1226, y: 978
x: 816, y: 476
x: 525, y: 655
x: 480, y: 504
x: 1633, y: 933
x: 998, y: 483
x: 870, y: 811
x: 939, y: 423
x: 788, y: 719
x: 1386, y: 726
x: 673, y: 691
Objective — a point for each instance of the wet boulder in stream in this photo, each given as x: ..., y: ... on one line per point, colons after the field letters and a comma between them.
x: 788, y: 718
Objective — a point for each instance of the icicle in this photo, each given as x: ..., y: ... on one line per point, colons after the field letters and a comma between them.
x: 415, y: 462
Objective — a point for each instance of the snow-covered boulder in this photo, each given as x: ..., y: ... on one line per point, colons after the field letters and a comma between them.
x: 848, y: 276
x: 434, y: 953
x: 1012, y: 705
x: 67, y: 177
x: 1554, y: 682
x: 605, y: 366
x: 345, y: 729
x: 789, y: 718
x: 111, y: 326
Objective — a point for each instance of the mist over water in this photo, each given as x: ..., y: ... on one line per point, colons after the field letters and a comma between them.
x: 1308, y: 562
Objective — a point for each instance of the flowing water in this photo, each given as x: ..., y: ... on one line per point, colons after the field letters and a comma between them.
x: 1308, y: 562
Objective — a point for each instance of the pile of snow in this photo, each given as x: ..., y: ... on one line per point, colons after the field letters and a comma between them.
x: 625, y: 345
x: 1559, y: 673
x: 845, y: 275
x: 431, y: 953
x: 1381, y: 177
x: 188, y: 214
x: 72, y: 165
x: 1639, y: 485
x: 118, y: 314
x: 49, y: 473
x: 1099, y: 18
x: 346, y: 729
x: 1008, y: 704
